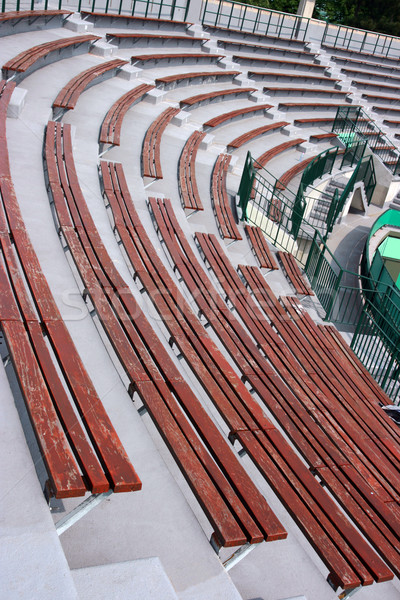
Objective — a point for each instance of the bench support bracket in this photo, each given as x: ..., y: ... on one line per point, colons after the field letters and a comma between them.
x: 80, y: 511
x: 348, y: 593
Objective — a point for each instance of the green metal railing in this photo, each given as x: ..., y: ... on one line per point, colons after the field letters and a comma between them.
x: 359, y: 40
x: 253, y: 19
x: 352, y: 123
x: 319, y: 166
x: 159, y: 9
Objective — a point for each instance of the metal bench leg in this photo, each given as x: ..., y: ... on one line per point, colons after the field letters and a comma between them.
x: 80, y: 511
x: 348, y: 593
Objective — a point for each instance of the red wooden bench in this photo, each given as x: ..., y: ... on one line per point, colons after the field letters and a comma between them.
x: 148, y: 60
x: 151, y: 160
x: 282, y: 64
x: 379, y: 98
x: 80, y: 454
x: 30, y: 20
x: 282, y: 75
x: 267, y: 156
x: 235, y: 114
x: 347, y: 431
x: 318, y: 137
x: 171, y: 81
x: 215, y: 95
x: 262, y: 446
x: 314, y: 121
x: 254, y: 133
x: 111, y: 127
x: 303, y: 106
x: 126, y: 40
x: 369, y: 75
x: 304, y: 91
x: 194, y: 344
x: 284, y: 179
x: 203, y: 457
x: 98, y: 18
x: 294, y: 274
x: 273, y: 49
x: 220, y: 200
x: 35, y: 57
x: 68, y: 96
x: 365, y: 63
x: 260, y: 247
x: 187, y: 173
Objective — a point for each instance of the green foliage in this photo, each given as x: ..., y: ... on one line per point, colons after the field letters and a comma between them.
x: 381, y: 16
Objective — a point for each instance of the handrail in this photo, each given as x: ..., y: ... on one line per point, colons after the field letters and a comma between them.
x: 359, y: 40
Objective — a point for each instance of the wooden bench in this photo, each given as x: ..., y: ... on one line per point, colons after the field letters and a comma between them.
x: 236, y: 114
x: 80, y: 454
x: 281, y: 75
x: 365, y: 63
x: 369, y: 55
x: 203, y: 457
x: 101, y: 19
x: 369, y: 84
x: 260, y: 247
x: 281, y: 64
x: 314, y: 121
x: 318, y: 137
x: 303, y: 106
x: 220, y: 200
x: 215, y: 95
x: 254, y: 133
x: 151, y: 159
x: 263, y: 445
x: 369, y: 75
x: 267, y: 156
x: 171, y: 81
x: 198, y: 349
x: 68, y: 96
x: 274, y: 49
x: 342, y: 470
x: 379, y: 98
x: 111, y: 127
x: 30, y: 20
x: 187, y: 173
x: 149, y: 60
x: 294, y: 274
x: 385, y: 109
x: 37, y: 56
x: 303, y: 91
x: 126, y: 40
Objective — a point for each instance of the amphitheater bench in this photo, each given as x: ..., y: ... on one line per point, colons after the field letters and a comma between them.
x: 126, y: 40
x: 275, y: 49
x: 30, y: 20
x: 267, y: 156
x: 303, y: 91
x: 68, y: 96
x: 260, y: 37
x: 379, y: 98
x: 365, y: 63
x: 310, y: 106
x: 294, y: 274
x: 369, y: 75
x: 215, y: 95
x: 187, y: 173
x: 386, y: 109
x: 204, y: 458
x: 318, y: 137
x: 220, y: 199
x: 234, y: 114
x: 314, y: 121
x: 82, y: 454
x: 122, y: 20
x: 260, y: 247
x: 147, y: 60
x: 170, y: 81
x: 281, y: 64
x: 151, y: 160
x: 254, y: 133
x: 111, y: 127
x: 36, y: 56
x: 373, y: 57
x: 279, y: 75
x: 283, y: 181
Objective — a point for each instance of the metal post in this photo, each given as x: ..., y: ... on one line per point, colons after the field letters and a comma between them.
x: 80, y: 511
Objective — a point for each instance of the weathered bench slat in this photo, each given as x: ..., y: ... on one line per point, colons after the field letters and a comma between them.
x: 254, y: 133
x: 210, y: 96
x: 260, y: 247
x: 187, y: 172
x: 151, y: 160
x: 219, y: 196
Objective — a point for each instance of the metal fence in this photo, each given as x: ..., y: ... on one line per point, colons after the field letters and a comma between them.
x: 253, y: 19
x: 159, y: 9
x: 359, y: 40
